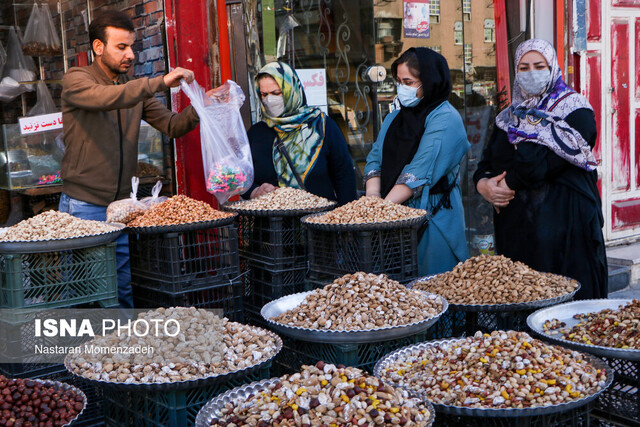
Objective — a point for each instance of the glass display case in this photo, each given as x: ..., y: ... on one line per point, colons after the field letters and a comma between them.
x: 150, y: 153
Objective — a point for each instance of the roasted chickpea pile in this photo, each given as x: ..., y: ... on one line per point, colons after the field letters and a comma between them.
x: 501, y: 370
x: 495, y: 279
x: 607, y: 328
x: 325, y: 395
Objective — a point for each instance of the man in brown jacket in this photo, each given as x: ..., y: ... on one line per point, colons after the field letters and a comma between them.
x: 101, y: 109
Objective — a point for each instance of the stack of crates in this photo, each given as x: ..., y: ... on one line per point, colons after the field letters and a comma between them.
x: 619, y: 404
x: 273, y: 254
x: 188, y: 267
x: 32, y: 282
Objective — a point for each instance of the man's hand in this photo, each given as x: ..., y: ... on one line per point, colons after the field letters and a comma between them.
x: 173, y: 78
x: 495, y: 191
x: 262, y: 190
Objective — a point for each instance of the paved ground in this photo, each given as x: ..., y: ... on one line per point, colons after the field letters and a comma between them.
x: 629, y: 293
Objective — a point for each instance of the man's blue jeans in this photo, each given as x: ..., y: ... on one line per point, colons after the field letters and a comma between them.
x: 85, y: 210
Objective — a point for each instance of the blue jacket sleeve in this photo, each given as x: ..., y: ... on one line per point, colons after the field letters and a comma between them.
x: 341, y: 172
x: 374, y: 159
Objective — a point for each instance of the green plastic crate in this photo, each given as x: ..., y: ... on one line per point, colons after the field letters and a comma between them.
x: 59, y: 279
x: 166, y: 408
x: 296, y: 353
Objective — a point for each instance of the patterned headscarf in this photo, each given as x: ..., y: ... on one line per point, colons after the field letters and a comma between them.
x: 301, y: 128
x: 541, y: 119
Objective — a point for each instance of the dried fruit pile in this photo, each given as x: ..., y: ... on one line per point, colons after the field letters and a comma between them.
x: 495, y: 279
x: 178, y: 210
x: 501, y: 370
x: 607, y: 328
x: 325, y: 395
x: 284, y: 198
x: 361, y: 301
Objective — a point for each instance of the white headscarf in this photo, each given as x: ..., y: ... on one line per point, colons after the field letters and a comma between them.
x: 540, y: 119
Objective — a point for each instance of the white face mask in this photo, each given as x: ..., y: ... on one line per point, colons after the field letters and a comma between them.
x: 534, y: 82
x: 408, y: 95
x: 274, y: 104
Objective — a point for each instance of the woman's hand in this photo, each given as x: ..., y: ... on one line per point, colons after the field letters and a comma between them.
x: 262, y: 190
x: 496, y: 191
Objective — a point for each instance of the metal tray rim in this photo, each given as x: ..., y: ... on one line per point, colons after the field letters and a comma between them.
x: 493, y: 412
x: 351, y: 337
x: 598, y: 350
x: 275, y: 212
x: 180, y: 385
x: 79, y: 242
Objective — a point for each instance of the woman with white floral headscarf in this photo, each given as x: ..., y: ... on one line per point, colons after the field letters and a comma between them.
x: 539, y: 172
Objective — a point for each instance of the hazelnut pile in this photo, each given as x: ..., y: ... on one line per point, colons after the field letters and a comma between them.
x: 495, y: 279
x: 54, y: 225
x: 30, y: 403
x: 178, y: 209
x: 206, y: 346
x: 607, y: 328
x: 325, y: 395
x: 502, y: 370
x: 361, y: 301
x: 283, y: 198
x: 366, y: 210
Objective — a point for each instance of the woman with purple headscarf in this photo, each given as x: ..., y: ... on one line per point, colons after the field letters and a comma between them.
x: 539, y: 173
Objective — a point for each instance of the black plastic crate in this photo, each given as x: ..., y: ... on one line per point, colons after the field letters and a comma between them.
x: 187, y: 260
x: 296, y: 353
x: 578, y: 417
x: 393, y: 252
x: 273, y: 240
x: 620, y: 403
x: 166, y: 408
x: 451, y: 324
x: 225, y: 296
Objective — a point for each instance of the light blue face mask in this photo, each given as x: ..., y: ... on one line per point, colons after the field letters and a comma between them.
x: 534, y: 82
x: 408, y: 95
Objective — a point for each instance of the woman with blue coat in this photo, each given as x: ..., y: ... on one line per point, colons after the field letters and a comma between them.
x: 416, y: 158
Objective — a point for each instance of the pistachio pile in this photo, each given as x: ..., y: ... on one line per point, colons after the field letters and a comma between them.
x: 607, y: 328
x: 361, y: 301
x: 501, y: 370
x: 54, y: 225
x: 325, y: 395
x: 495, y: 279
x: 178, y: 209
x: 365, y: 210
x: 283, y: 198
x: 206, y: 345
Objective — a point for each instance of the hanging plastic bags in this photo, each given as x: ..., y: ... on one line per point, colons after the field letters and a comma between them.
x: 126, y: 210
x: 155, y: 197
x: 226, y: 156
x: 40, y: 37
x: 16, y: 69
x: 3, y: 59
x: 44, y: 104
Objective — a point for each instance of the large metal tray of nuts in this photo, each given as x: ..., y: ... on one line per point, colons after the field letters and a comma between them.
x: 503, y: 307
x: 274, y: 308
x: 52, y: 245
x: 178, y: 228
x: 180, y: 385
x: 490, y: 412
x: 237, y: 207
x: 66, y: 387
x: 213, y: 409
x: 386, y: 225
x: 565, y: 313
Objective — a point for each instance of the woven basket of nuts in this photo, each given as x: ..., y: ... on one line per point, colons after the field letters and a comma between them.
x: 498, y: 375
x: 355, y: 309
x: 323, y: 394
x: 366, y: 213
x: 284, y: 201
x: 208, y: 350
x: 496, y: 283
x: 55, y: 231
x: 604, y: 327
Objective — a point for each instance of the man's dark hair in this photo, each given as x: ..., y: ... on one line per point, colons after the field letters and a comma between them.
x: 108, y: 18
x: 410, y: 58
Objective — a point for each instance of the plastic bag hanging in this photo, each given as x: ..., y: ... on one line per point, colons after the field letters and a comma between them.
x: 17, y: 66
x: 39, y: 37
x: 44, y: 104
x: 226, y: 155
x: 3, y: 59
x: 126, y: 210
x: 155, y: 197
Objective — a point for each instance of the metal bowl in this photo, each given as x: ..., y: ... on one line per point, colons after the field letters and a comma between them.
x: 276, y: 307
x: 387, y: 225
x: 491, y: 412
x: 65, y: 387
x: 565, y: 313
x: 52, y: 245
x: 237, y: 207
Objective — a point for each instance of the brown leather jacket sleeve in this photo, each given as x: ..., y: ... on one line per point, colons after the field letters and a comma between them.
x: 172, y: 124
